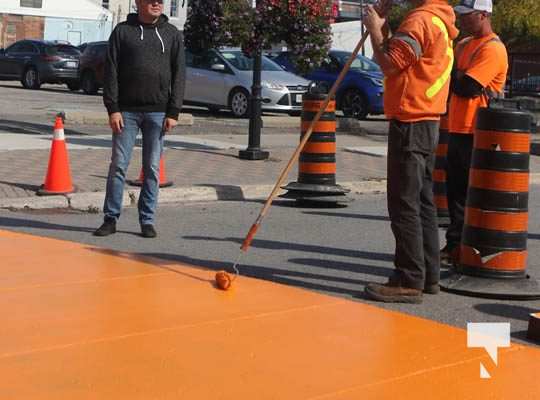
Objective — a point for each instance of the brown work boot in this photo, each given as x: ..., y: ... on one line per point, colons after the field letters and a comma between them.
x: 390, y: 292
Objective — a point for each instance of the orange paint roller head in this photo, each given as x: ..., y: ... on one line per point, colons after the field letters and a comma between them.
x: 223, y: 280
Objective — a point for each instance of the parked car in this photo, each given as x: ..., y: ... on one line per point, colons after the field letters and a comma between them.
x: 360, y: 93
x: 527, y: 86
x: 92, y: 66
x: 222, y: 78
x: 82, y: 47
x: 35, y: 62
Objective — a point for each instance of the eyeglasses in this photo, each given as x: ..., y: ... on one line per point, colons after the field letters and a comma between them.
x: 153, y: 1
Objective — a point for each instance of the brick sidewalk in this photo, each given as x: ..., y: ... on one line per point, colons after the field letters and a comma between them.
x: 23, y: 171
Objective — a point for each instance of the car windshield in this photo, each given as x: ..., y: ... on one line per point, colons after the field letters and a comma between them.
x: 243, y: 63
x: 62, y: 49
x: 359, y: 64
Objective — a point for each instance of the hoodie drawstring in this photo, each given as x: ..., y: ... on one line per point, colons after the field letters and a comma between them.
x: 158, y: 35
x: 161, y: 40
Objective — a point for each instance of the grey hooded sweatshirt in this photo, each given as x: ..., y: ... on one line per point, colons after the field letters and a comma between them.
x: 145, y: 68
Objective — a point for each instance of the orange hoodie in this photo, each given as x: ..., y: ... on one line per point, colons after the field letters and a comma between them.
x: 422, y: 51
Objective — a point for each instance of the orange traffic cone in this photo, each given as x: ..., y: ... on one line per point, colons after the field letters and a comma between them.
x: 163, y: 182
x: 58, y: 179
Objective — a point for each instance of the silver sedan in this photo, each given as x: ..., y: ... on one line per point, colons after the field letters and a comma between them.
x: 222, y: 79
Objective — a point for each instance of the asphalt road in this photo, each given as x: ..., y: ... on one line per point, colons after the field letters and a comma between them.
x: 335, y: 251
x: 29, y: 111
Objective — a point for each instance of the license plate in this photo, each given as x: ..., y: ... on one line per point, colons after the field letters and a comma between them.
x: 71, y: 64
x: 298, y: 98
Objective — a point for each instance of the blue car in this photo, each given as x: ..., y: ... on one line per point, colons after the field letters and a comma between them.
x: 360, y: 93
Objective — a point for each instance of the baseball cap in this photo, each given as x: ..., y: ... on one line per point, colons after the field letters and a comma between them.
x: 468, y: 6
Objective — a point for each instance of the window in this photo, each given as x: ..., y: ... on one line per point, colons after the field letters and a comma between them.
x: 32, y: 3
x: 27, y: 47
x: 16, y: 48
x: 174, y: 8
x: 62, y: 49
x: 11, y: 28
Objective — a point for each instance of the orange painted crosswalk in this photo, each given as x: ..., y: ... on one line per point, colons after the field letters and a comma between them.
x: 79, y: 322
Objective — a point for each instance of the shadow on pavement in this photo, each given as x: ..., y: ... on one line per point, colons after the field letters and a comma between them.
x: 13, y: 126
x: 506, y: 310
x: 276, y: 245
x: 344, y: 266
x: 23, y: 186
x: 26, y: 223
x: 282, y: 276
x: 346, y: 215
x: 534, y: 236
x: 8, y: 222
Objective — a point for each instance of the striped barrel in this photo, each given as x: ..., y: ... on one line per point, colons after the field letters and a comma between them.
x: 439, y: 174
x: 317, y: 163
x: 494, y: 241
x: 318, y: 158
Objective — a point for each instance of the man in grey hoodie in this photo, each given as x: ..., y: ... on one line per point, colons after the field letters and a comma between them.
x: 143, y: 90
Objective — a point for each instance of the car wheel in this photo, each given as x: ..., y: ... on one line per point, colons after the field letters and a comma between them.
x: 88, y: 83
x: 239, y: 103
x: 30, y: 79
x: 73, y: 86
x: 354, y: 104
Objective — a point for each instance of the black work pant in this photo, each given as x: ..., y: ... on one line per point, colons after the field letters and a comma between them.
x: 413, y: 214
x: 460, y: 147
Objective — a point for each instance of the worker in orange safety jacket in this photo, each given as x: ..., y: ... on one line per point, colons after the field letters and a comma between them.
x: 417, y: 62
x: 480, y: 69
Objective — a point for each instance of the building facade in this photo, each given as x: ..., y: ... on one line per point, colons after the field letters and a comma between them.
x: 74, y: 21
x: 176, y: 10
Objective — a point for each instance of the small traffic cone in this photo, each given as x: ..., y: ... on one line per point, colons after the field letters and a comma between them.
x: 58, y: 179
x: 163, y: 182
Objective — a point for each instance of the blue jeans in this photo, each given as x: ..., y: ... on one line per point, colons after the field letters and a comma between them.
x: 151, y: 126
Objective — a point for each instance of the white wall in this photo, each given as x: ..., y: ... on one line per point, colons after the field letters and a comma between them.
x: 79, y: 9
x: 346, y: 35
x: 121, y: 8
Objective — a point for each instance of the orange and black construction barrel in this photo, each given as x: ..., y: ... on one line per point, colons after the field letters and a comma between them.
x: 493, y: 252
x: 439, y: 174
x: 317, y: 164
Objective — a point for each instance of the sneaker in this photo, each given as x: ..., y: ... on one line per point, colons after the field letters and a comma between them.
x: 148, y: 231
x: 107, y: 228
x: 445, y: 253
x: 449, y: 255
x: 390, y: 293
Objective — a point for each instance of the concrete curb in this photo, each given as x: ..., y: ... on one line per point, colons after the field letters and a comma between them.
x: 93, y: 201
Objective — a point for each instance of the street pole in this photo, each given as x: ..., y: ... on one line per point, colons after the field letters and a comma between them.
x: 362, y: 23
x: 253, y: 151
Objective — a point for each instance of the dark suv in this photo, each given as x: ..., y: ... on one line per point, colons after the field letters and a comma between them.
x: 35, y: 62
x: 91, y: 68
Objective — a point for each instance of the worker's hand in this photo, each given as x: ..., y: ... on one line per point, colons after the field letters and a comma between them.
x: 169, y: 124
x: 373, y: 21
x: 116, y: 122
